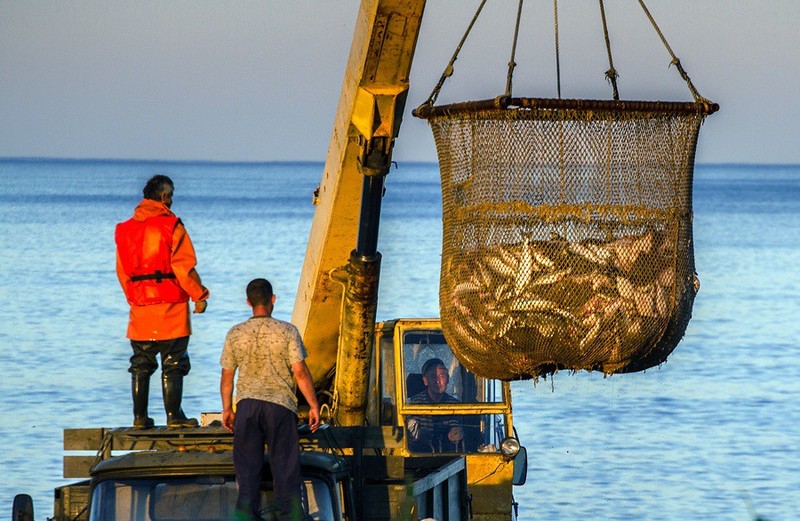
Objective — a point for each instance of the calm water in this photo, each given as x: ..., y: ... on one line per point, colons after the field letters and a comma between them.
x: 712, y: 434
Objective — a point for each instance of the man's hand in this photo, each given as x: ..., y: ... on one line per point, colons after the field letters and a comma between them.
x: 306, y: 386
x: 455, y: 435
x: 313, y: 419
x: 226, y: 393
x: 200, y: 306
x: 227, y: 419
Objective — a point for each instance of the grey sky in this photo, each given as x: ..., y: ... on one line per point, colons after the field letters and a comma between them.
x: 260, y: 80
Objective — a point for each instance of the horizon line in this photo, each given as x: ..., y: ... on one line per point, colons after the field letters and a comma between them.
x: 32, y: 159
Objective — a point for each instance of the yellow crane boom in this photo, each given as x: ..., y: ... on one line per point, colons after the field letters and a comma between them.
x: 337, y: 295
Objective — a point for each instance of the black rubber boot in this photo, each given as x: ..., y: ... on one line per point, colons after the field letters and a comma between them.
x: 140, y: 389
x: 172, y: 387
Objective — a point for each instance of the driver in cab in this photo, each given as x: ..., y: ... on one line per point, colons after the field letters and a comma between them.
x: 434, y: 433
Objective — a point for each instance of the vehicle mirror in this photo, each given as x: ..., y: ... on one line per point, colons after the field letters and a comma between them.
x: 22, y: 509
x: 520, y: 467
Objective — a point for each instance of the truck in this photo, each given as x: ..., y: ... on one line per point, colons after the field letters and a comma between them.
x: 363, y: 464
x: 371, y: 471
x: 349, y: 472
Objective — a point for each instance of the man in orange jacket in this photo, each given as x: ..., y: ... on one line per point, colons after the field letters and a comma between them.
x: 156, y: 269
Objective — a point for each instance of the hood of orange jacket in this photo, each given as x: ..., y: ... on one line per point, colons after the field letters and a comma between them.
x: 149, y: 208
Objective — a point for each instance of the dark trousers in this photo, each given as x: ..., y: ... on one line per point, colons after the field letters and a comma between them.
x: 258, y: 422
x: 174, y: 359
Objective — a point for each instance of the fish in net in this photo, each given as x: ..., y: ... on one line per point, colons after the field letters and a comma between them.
x: 567, y: 232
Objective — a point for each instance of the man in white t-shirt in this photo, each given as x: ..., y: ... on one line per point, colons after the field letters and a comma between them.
x: 269, y: 355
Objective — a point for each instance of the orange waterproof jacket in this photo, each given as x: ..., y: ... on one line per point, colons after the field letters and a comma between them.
x: 162, y: 315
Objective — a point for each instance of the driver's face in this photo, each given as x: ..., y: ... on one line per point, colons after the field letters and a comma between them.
x: 436, y: 380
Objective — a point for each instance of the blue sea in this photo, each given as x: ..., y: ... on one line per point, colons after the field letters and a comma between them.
x: 714, y: 433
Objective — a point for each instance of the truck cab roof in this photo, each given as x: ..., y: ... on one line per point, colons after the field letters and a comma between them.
x: 190, y: 462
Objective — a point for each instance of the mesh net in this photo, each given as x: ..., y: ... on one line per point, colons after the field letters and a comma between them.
x: 567, y: 237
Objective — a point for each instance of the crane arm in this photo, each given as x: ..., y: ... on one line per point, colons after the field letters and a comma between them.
x: 341, y: 257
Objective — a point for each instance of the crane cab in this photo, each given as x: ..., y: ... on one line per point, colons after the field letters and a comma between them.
x: 475, y: 421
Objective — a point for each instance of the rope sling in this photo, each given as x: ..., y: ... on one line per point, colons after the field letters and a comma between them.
x: 567, y: 226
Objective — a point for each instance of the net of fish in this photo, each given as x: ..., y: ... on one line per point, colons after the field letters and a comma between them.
x: 567, y: 233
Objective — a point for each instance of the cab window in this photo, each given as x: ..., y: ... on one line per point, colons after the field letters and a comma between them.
x: 421, y: 347
x: 388, y: 385
x: 435, y: 377
x: 210, y: 498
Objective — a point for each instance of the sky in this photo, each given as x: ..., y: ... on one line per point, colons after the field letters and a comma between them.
x: 260, y: 80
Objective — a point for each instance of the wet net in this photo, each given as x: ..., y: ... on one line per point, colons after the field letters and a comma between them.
x: 567, y: 232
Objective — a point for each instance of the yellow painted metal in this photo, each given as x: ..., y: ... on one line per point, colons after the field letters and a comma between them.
x: 370, y: 107
x: 489, y: 482
x: 369, y: 114
x: 489, y: 475
x: 374, y: 114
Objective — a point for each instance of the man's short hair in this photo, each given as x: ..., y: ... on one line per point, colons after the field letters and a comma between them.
x: 157, y: 185
x: 430, y: 364
x: 259, y: 292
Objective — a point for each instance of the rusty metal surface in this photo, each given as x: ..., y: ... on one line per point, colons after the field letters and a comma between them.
x: 504, y: 103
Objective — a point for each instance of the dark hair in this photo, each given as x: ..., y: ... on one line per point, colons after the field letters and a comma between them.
x: 430, y: 364
x: 259, y: 292
x: 157, y: 185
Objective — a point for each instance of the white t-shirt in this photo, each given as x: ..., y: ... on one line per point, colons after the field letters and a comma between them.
x: 263, y: 350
